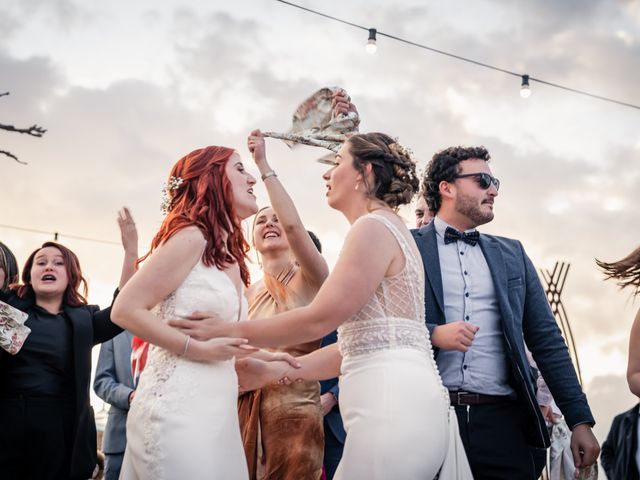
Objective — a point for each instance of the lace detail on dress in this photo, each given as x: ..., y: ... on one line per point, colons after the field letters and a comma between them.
x: 165, y: 385
x: 394, y: 315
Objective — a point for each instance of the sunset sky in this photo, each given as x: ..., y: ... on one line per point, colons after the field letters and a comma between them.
x: 127, y: 88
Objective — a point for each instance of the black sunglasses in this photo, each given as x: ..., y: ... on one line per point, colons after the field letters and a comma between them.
x: 484, y: 179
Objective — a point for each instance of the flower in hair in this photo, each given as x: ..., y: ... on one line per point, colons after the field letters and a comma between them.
x: 399, y: 149
x: 167, y: 193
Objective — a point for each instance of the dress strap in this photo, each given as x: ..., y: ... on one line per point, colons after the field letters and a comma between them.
x: 400, y: 238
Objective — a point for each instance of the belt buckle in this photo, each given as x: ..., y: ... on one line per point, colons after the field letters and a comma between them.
x: 459, y: 395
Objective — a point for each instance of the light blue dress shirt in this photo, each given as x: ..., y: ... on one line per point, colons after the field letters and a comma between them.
x: 469, y: 295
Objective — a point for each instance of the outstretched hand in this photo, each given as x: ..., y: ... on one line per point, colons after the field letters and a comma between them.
x: 219, y: 349
x: 128, y: 231
x: 268, y: 356
x: 202, y: 326
x: 254, y: 373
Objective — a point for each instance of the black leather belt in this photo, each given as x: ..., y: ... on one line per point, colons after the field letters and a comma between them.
x: 462, y: 398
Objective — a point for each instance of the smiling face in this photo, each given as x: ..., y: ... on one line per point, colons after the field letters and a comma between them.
x: 49, y: 275
x: 473, y: 202
x: 343, y: 181
x: 267, y: 232
x: 242, y: 184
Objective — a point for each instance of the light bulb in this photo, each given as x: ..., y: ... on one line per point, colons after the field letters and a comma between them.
x: 371, y: 46
x: 525, y: 91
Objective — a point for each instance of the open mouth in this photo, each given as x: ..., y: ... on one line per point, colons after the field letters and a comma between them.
x: 250, y: 191
x: 271, y: 234
x: 48, y: 278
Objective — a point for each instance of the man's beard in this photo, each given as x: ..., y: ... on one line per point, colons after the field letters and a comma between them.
x: 468, y: 207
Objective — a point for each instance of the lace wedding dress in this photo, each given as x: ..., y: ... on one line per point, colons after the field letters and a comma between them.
x: 395, y: 409
x: 183, y: 422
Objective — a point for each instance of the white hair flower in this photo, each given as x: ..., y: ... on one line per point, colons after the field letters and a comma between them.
x: 167, y: 193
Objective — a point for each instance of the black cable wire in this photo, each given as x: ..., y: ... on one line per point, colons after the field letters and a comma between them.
x: 58, y: 234
x: 464, y: 59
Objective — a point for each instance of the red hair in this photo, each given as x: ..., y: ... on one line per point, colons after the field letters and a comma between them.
x: 205, y: 199
x: 72, y: 297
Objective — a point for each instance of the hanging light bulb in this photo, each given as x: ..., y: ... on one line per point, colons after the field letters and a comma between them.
x: 525, y: 91
x: 371, y: 46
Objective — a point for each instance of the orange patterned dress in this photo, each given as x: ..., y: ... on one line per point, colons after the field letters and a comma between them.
x: 281, y: 425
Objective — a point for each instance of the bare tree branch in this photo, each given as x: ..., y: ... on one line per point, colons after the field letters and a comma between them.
x: 33, y: 130
x: 11, y: 155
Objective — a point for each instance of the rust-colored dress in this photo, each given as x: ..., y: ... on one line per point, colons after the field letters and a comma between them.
x: 281, y: 425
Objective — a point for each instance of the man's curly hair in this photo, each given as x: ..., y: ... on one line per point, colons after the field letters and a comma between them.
x: 444, y: 166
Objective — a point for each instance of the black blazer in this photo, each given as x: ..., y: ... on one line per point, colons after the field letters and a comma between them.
x: 618, y: 455
x: 90, y: 327
x: 525, y: 315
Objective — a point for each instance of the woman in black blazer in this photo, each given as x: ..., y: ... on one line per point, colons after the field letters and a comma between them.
x: 47, y: 427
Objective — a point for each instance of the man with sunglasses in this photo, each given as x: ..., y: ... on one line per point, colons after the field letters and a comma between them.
x: 483, y: 301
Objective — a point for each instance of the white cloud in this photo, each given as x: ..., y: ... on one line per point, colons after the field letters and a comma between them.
x: 126, y: 89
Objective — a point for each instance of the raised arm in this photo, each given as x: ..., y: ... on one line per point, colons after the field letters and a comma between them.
x: 633, y: 367
x: 129, y: 236
x: 312, y: 265
x: 103, y: 328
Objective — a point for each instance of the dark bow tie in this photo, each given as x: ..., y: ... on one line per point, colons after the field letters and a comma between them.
x: 451, y: 235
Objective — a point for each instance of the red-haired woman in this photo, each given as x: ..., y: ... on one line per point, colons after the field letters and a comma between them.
x: 183, y: 422
x: 47, y: 428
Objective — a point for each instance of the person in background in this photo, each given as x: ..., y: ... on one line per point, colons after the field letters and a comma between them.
x: 8, y: 267
x: 422, y: 212
x: 484, y: 300
x: 621, y: 452
x: 113, y: 383
x: 620, y: 456
x: 48, y: 428
x: 334, y: 434
x: 627, y: 274
x: 282, y: 424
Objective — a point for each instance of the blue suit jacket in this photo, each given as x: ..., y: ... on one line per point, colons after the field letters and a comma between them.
x: 113, y: 384
x: 333, y: 419
x: 525, y: 316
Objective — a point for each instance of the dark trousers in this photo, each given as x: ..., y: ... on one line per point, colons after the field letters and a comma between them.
x: 332, y: 452
x: 494, y: 440
x: 35, y: 438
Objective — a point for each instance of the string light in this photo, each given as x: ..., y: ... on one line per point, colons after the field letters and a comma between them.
x: 371, y: 46
x: 465, y: 59
x: 56, y: 235
x: 525, y: 91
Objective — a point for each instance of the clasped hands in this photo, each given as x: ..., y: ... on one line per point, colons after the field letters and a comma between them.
x: 213, y: 340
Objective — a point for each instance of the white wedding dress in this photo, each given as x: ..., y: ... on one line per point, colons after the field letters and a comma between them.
x: 183, y: 422
x: 394, y: 407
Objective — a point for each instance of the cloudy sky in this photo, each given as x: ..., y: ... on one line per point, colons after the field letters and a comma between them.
x: 126, y: 88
